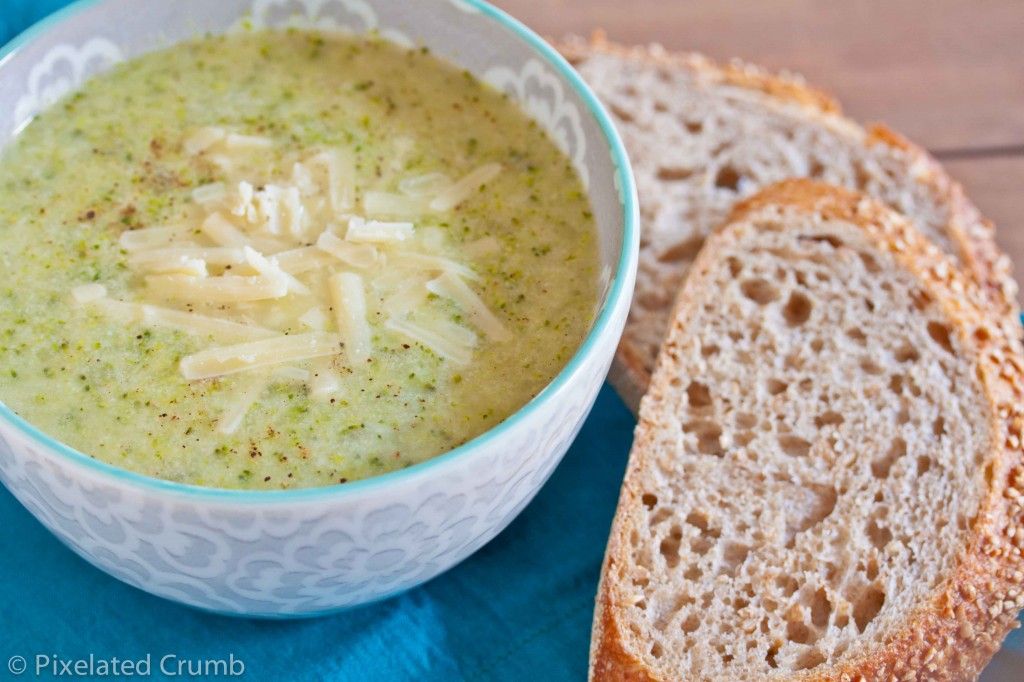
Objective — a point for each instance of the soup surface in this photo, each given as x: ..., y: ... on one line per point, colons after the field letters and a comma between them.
x: 282, y: 259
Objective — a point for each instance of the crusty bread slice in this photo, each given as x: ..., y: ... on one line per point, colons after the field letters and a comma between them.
x: 701, y: 136
x: 826, y: 480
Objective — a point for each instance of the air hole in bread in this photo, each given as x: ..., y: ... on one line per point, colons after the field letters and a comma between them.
x: 693, y: 573
x: 811, y: 658
x: 674, y: 173
x: 698, y: 394
x: 879, y: 535
x: 940, y: 335
x: 698, y: 520
x: 649, y: 500
x: 797, y: 631
x: 761, y: 291
x: 709, y: 350
x: 816, y: 169
x: 857, y: 335
x: 708, y: 436
x: 907, y: 353
x: 769, y: 657
x: 660, y: 106
x: 817, y: 505
x: 683, y: 251
x: 817, y: 345
x: 871, y: 570
x: 691, y: 623
x: 745, y: 420
x: 621, y: 111
x: 896, y: 384
x: 821, y: 608
x: 734, y: 556
x: 787, y: 584
x: 921, y: 299
x: 656, y: 650
x: 660, y: 515
x: 735, y: 266
x: 861, y: 176
x: 867, y: 605
x: 794, y: 446
x: 881, y: 466
x: 681, y: 602
x: 727, y: 178
x: 939, y: 427
x: 870, y: 366
x: 669, y: 547
x: 912, y: 386
x: 828, y: 419
x: 694, y: 127
x: 870, y: 264
x: 701, y: 545
x: 924, y: 463
x: 832, y: 240
x: 775, y: 387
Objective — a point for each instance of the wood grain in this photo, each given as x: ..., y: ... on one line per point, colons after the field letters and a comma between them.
x: 948, y: 73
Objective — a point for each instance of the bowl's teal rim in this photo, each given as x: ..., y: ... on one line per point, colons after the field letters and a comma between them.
x: 624, y: 268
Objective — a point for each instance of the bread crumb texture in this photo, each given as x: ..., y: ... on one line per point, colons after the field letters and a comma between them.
x: 826, y: 480
x: 702, y: 136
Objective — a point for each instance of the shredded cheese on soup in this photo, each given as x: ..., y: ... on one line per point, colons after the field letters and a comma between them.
x: 298, y: 242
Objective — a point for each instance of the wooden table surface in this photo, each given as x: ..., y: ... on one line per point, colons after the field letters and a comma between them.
x: 949, y: 74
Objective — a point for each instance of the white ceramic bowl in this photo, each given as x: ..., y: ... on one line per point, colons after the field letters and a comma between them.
x: 304, y: 552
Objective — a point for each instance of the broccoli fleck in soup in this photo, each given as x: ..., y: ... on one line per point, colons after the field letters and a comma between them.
x: 286, y: 259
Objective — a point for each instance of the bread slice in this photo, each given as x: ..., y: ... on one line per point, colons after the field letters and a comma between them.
x: 701, y: 136
x: 826, y: 481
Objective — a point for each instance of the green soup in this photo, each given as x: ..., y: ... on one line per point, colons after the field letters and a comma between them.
x: 281, y: 259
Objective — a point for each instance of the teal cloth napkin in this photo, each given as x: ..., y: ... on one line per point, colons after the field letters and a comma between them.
x: 519, y: 609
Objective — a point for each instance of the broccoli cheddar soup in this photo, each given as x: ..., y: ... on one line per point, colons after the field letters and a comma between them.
x: 282, y: 259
